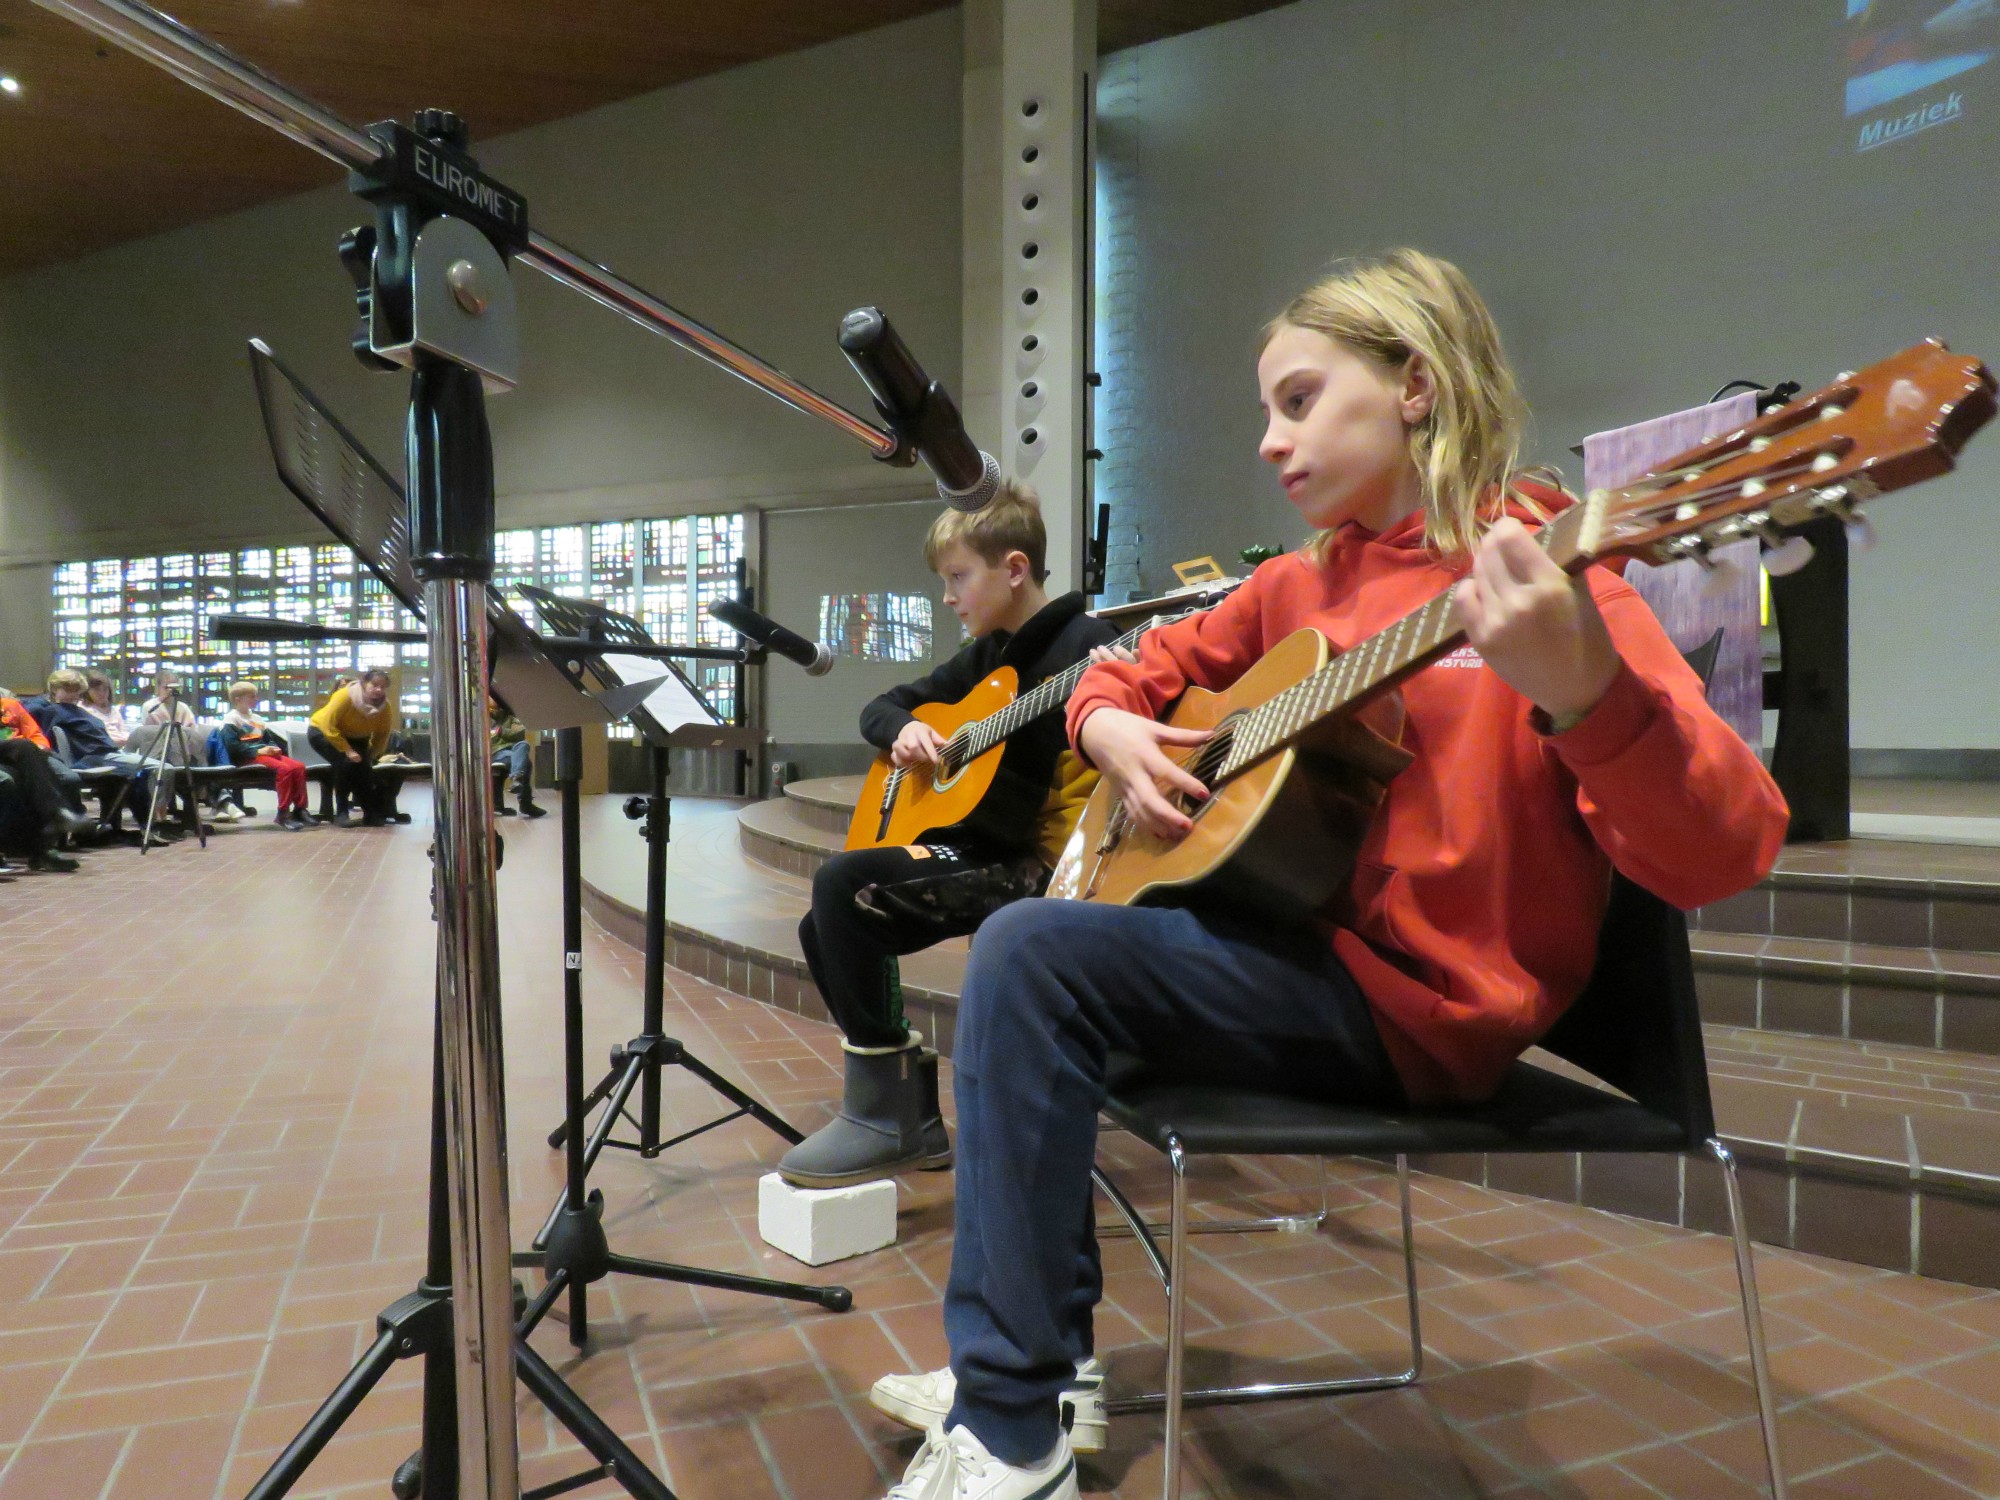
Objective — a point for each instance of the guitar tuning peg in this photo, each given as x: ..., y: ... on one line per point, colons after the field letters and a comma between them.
x: 1860, y: 533
x: 1788, y: 556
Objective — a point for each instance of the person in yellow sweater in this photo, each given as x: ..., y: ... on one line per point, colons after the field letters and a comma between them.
x: 351, y: 732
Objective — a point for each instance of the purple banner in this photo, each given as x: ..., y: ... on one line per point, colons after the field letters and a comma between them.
x: 1691, y: 602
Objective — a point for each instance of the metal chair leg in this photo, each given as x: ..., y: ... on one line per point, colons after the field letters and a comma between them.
x: 1171, y: 1268
x: 1176, y: 1314
x: 1753, y: 1318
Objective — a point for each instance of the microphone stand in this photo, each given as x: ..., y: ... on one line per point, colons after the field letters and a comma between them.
x: 433, y: 290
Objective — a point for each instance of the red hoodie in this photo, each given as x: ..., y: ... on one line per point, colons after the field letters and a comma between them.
x: 1482, y: 883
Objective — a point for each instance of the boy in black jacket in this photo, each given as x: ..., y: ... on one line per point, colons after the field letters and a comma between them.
x: 991, y: 561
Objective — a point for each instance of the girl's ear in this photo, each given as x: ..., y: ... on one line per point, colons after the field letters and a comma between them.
x: 1419, y: 390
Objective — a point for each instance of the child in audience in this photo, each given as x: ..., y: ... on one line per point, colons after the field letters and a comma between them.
x: 511, y: 748
x: 1578, y: 743
x: 166, y: 706
x: 250, y: 741
x: 47, y: 816
x: 96, y: 702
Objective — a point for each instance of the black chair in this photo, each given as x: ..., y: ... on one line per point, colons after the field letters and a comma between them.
x: 1635, y: 1028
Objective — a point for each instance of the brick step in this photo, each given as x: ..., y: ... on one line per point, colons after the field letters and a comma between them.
x: 826, y: 801
x: 1888, y: 1156
x: 785, y: 834
x: 1878, y: 892
x: 1864, y: 992
x: 1861, y: 1150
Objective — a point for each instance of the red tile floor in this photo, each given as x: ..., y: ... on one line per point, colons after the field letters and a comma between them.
x: 213, y: 1069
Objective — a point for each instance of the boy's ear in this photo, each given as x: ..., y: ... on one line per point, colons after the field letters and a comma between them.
x: 1017, y: 566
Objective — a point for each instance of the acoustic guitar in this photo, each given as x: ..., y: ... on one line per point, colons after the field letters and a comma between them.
x: 901, y: 806
x: 1305, y: 742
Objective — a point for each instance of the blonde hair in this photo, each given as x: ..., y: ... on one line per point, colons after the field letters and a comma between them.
x: 1389, y: 308
x: 238, y: 689
x: 63, y: 679
x: 1010, y: 522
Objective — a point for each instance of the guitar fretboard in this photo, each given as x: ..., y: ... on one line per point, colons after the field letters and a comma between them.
x: 1420, y: 636
x: 975, y: 739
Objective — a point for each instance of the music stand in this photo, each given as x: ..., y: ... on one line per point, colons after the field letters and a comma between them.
x: 637, y: 1064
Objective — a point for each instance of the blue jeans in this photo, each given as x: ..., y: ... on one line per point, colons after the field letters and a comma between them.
x: 518, y: 758
x: 1053, y: 988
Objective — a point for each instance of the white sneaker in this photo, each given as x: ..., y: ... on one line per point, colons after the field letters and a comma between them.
x: 924, y: 1401
x: 956, y: 1466
x: 229, y: 812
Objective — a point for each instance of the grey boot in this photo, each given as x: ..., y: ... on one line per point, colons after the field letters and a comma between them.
x: 879, y: 1131
x: 937, y: 1143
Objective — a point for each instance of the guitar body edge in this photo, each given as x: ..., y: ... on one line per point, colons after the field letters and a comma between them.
x: 922, y: 802
x: 1278, y: 839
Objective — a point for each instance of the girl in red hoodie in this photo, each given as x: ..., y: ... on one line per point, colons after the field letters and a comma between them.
x: 1567, y: 739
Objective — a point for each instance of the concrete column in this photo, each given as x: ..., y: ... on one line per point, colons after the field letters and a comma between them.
x: 979, y: 386
x: 1048, y: 62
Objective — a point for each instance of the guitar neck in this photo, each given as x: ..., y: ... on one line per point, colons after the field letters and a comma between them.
x: 1383, y: 659
x: 1049, y: 694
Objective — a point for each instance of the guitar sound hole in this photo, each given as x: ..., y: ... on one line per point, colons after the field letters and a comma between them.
x: 1206, y: 766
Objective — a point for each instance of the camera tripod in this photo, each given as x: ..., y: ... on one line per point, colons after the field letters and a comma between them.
x: 173, y: 738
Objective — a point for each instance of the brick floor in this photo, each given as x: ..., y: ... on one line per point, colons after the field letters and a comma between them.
x: 213, y: 1074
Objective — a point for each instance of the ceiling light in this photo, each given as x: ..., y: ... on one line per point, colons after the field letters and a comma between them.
x: 9, y: 84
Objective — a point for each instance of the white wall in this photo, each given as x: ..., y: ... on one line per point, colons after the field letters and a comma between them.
x: 765, y: 201
x: 1655, y: 198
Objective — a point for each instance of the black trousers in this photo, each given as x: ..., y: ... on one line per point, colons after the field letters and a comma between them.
x: 853, y: 955
x: 35, y: 780
x: 354, y: 782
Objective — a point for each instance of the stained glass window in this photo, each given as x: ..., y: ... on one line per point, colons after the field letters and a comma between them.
x: 877, y: 627
x: 130, y: 617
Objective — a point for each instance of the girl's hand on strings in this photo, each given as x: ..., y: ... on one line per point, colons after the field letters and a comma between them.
x: 1130, y: 752
x: 1536, y: 625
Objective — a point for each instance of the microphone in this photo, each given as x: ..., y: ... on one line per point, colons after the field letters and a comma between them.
x: 918, y: 409
x: 263, y: 628
x: 766, y: 632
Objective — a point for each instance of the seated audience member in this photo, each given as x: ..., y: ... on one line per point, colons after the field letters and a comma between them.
x: 97, y: 703
x: 250, y: 741
x: 24, y: 755
x: 511, y: 749
x: 61, y: 707
x: 167, y: 706
x: 351, y: 730
x: 90, y: 744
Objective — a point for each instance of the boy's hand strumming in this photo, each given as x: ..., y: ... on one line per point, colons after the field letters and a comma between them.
x: 918, y: 744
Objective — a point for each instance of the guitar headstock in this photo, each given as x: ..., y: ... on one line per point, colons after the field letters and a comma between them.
x: 1893, y: 424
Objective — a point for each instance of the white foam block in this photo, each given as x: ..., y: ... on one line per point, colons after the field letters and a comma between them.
x: 817, y: 1225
